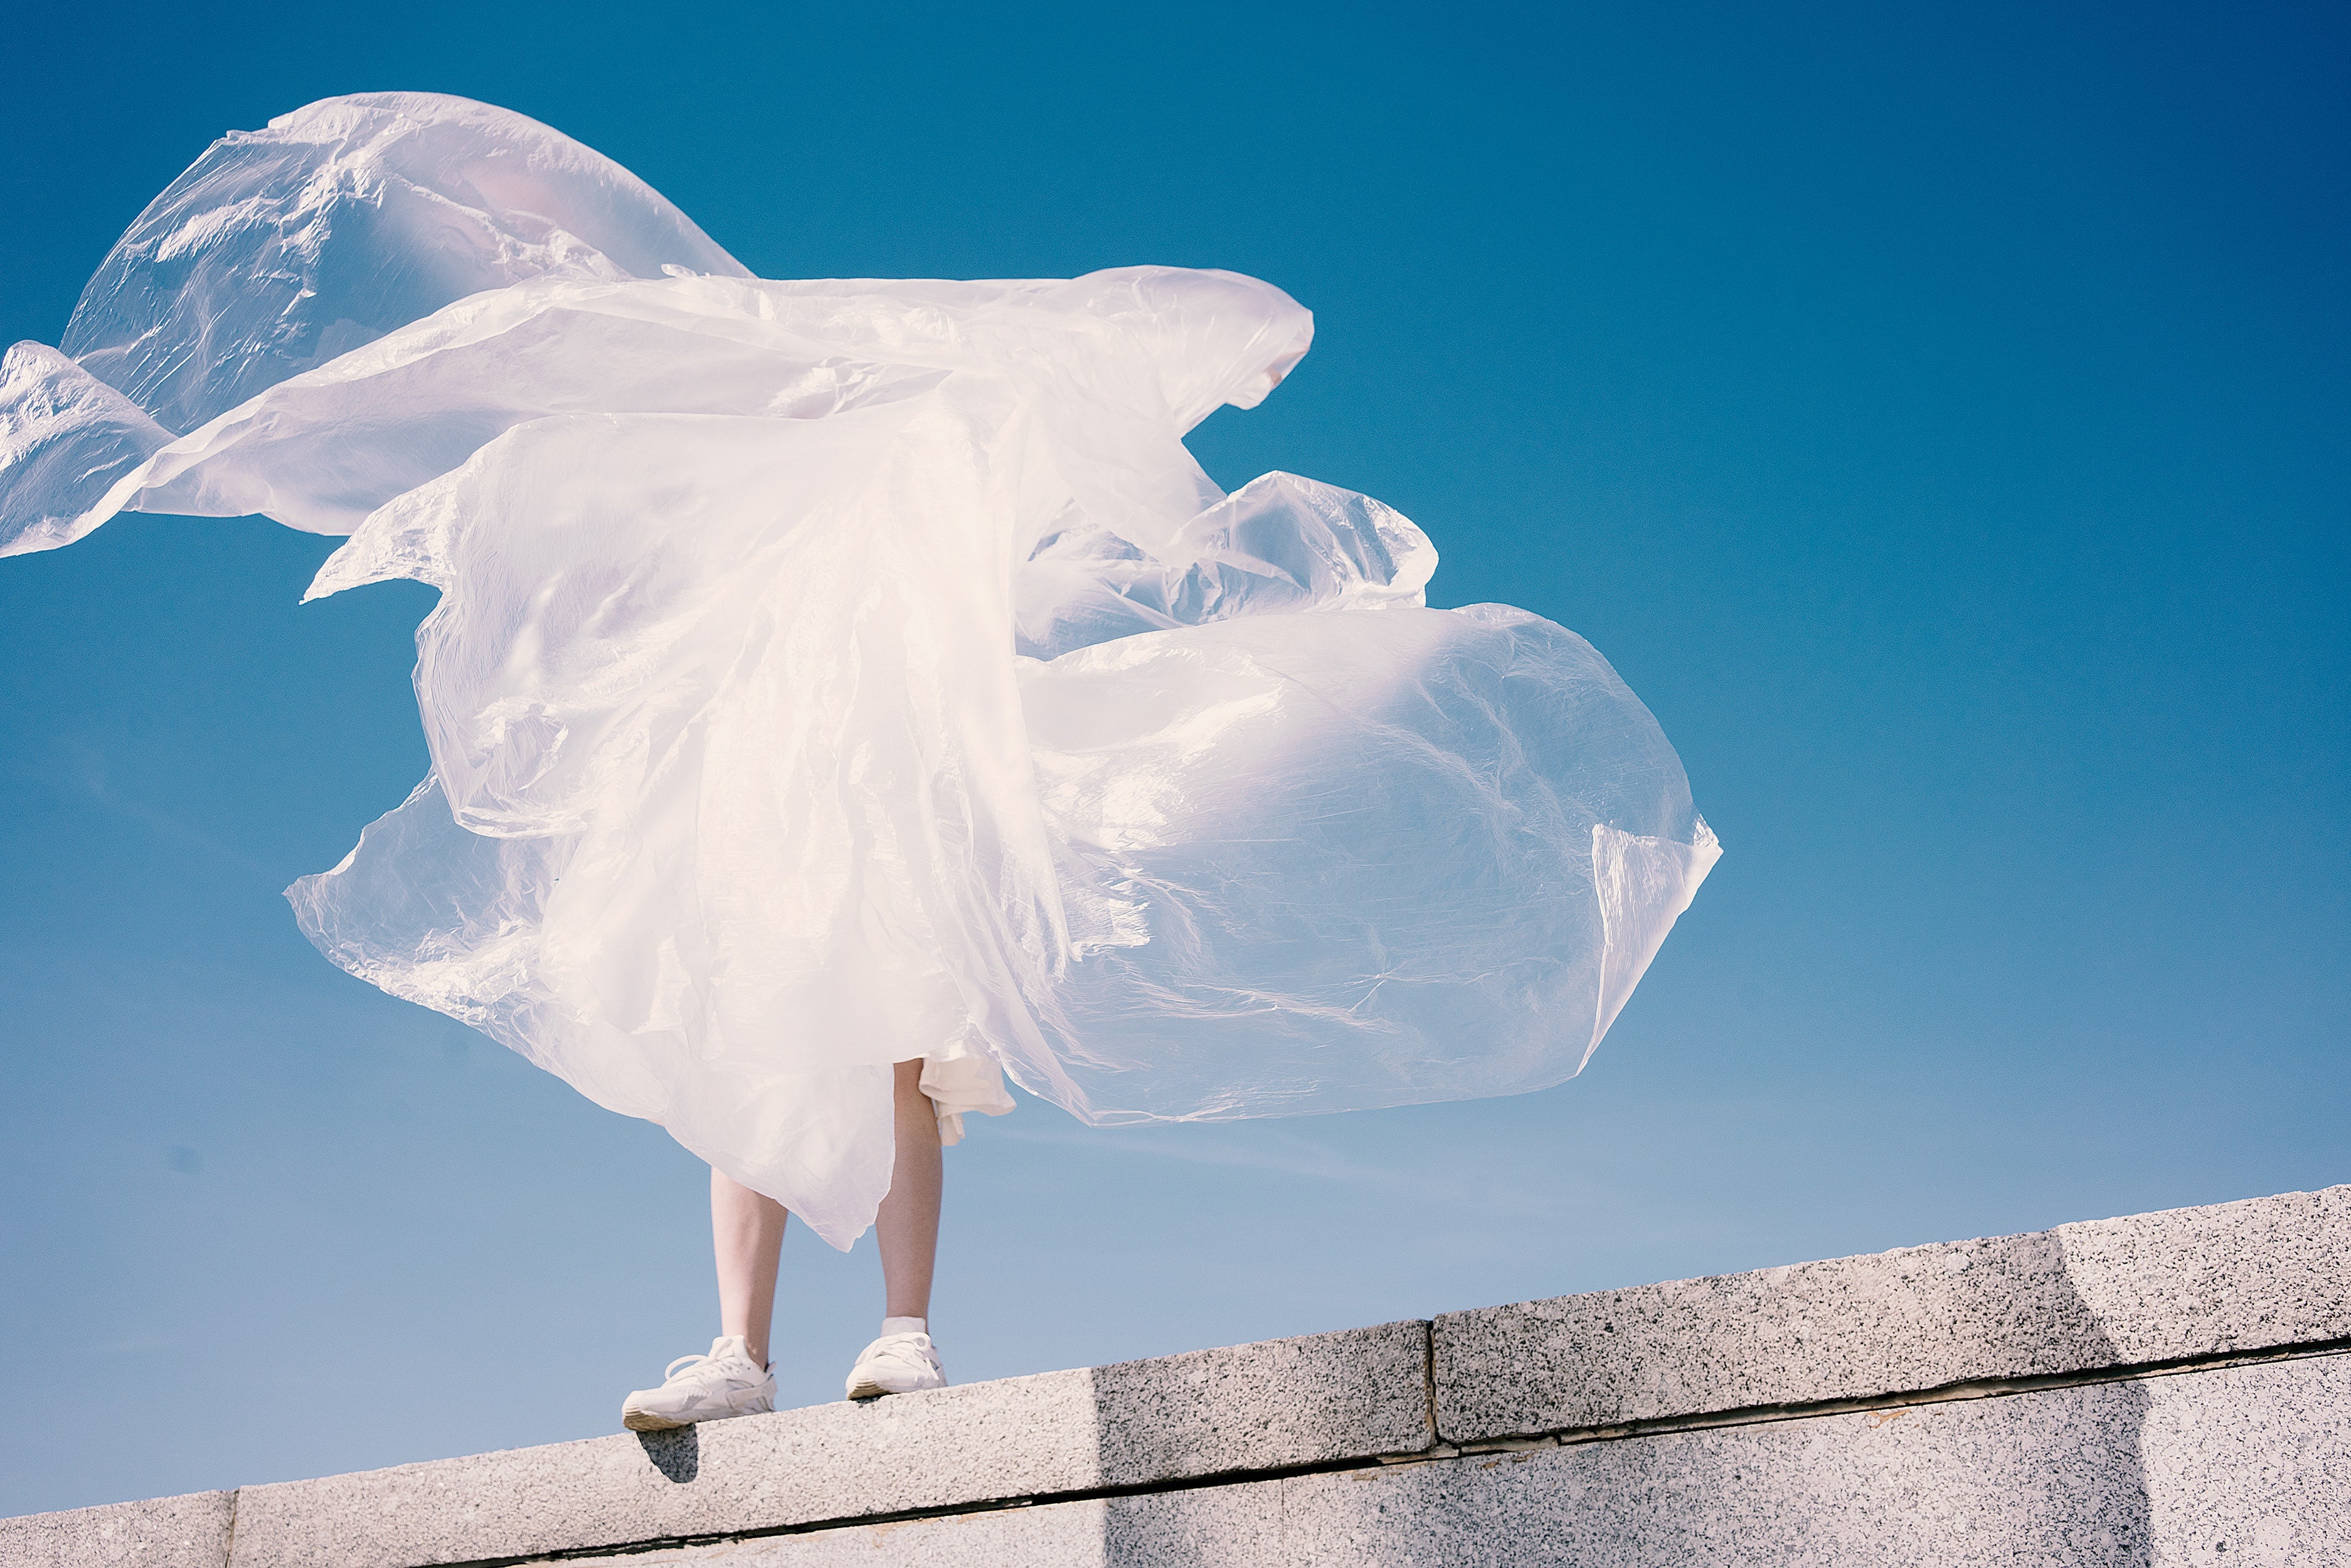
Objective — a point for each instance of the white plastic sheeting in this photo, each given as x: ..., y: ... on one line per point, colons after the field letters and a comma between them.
x: 828, y: 674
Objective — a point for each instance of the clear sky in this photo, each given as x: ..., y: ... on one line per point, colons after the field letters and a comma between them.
x: 1937, y: 413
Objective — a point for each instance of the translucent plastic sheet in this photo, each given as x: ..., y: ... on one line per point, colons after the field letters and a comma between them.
x: 828, y: 674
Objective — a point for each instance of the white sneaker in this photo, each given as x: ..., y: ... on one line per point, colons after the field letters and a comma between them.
x: 702, y: 1388
x: 900, y: 1361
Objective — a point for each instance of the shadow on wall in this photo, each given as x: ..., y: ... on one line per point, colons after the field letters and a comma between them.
x: 1146, y: 1423
x: 676, y: 1455
x: 2055, y: 1476
x: 2052, y: 1477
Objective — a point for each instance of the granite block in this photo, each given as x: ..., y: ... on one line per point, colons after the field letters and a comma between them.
x: 1284, y: 1403
x: 2248, y: 1464
x: 2230, y: 1278
x: 1211, y: 1527
x: 2205, y: 1462
x: 187, y: 1532
x: 1329, y: 1396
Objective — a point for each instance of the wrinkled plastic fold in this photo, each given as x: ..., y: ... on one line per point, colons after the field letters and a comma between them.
x: 831, y: 674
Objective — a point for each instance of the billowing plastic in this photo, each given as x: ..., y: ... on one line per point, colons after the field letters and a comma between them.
x: 830, y: 673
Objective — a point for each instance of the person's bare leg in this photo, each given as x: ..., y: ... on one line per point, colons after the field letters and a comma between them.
x: 747, y: 1232
x: 908, y: 1224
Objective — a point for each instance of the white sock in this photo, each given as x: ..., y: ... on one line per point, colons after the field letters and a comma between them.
x: 905, y: 1325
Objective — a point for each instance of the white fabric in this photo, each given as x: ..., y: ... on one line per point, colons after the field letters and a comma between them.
x: 961, y: 1082
x: 828, y: 674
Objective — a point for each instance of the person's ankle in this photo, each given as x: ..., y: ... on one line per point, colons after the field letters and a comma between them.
x: 905, y: 1323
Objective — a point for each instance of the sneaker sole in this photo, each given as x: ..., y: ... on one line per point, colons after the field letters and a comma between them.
x: 876, y: 1391
x: 645, y: 1421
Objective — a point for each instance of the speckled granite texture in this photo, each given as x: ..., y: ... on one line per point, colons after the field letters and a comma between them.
x: 2151, y: 1288
x: 162, y: 1532
x: 2169, y: 1388
x: 2241, y: 1467
x: 1330, y: 1397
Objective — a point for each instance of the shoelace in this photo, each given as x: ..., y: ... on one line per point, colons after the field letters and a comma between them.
x: 699, y: 1368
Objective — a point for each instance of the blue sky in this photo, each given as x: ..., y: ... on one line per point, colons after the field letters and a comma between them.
x: 1937, y: 413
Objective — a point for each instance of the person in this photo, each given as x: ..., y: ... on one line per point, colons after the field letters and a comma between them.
x: 846, y: 695
x: 747, y: 1234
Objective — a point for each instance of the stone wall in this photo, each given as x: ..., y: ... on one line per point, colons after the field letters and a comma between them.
x: 2165, y: 1388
